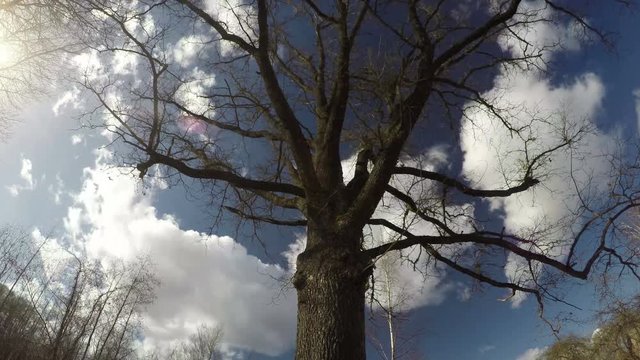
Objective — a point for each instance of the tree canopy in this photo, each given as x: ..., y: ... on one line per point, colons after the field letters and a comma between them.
x: 350, y: 119
x: 616, y: 339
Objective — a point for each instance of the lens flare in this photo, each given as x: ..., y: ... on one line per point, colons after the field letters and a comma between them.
x: 192, y: 125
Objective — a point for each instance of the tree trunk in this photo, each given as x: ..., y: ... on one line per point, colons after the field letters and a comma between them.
x: 331, y: 281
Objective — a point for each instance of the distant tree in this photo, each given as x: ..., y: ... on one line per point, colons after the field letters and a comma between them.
x: 570, y: 348
x: 204, y: 344
x: 265, y: 101
x: 68, y: 308
x: 391, y: 309
x: 618, y: 338
x: 20, y: 330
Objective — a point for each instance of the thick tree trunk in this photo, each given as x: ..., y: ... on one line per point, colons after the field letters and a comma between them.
x: 331, y: 281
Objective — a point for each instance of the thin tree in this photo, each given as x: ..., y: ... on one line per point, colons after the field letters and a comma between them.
x: 68, y: 307
x: 391, y: 299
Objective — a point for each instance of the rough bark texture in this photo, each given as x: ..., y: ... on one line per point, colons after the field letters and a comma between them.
x: 331, y: 284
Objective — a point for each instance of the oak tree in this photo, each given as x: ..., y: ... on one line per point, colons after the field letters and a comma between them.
x: 317, y: 115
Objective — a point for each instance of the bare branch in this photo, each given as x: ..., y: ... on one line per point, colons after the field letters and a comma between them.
x: 266, y: 219
x: 526, y: 184
x: 217, y: 174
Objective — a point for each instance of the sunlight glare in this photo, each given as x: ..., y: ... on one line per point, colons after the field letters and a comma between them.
x: 7, y: 54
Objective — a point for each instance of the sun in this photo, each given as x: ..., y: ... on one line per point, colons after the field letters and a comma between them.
x: 7, y: 54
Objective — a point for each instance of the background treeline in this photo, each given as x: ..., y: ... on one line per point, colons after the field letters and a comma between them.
x: 618, y: 337
x: 56, y: 305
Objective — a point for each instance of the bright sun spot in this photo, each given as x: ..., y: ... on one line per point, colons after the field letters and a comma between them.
x: 7, y: 54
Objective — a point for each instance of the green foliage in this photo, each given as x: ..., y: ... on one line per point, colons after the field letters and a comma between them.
x: 617, y: 339
x: 569, y: 348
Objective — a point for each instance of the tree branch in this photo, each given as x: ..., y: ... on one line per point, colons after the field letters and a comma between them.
x: 266, y: 219
x: 526, y: 184
x: 217, y: 174
x: 288, y: 120
x: 478, y: 34
x: 477, y: 238
x: 218, y: 27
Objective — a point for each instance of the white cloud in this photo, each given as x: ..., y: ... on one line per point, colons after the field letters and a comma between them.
x: 14, y: 190
x: 532, y: 354
x: 636, y: 98
x: 89, y: 65
x: 463, y: 292
x: 295, y: 248
x: 537, y: 35
x: 188, y: 48
x: 486, y: 348
x: 191, y: 92
x: 204, y: 279
x: 76, y: 139
x: 124, y: 62
x: 25, y: 173
x: 545, y: 115
x: 494, y: 157
x: 54, y: 256
x: 57, y: 189
x: 68, y: 98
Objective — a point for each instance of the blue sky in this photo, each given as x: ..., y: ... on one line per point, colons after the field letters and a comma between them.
x: 59, y: 179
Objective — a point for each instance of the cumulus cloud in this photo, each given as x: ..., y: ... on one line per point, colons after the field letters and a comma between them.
x: 534, y: 35
x: 89, y: 65
x: 25, y: 172
x: 188, y: 48
x: 532, y: 354
x: 542, y: 116
x: 27, y: 177
x: 495, y: 157
x: 204, y: 278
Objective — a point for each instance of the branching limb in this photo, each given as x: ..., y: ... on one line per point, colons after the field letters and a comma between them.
x: 480, y: 277
x: 526, y: 184
x: 415, y: 209
x: 218, y: 27
x: 266, y: 219
x: 483, y: 238
x: 217, y: 174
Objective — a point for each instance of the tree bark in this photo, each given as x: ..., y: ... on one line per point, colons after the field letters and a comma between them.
x: 331, y: 280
